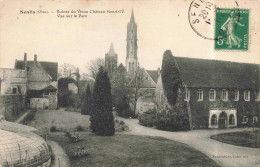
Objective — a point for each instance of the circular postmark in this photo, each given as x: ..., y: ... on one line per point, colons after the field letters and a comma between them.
x: 202, y: 19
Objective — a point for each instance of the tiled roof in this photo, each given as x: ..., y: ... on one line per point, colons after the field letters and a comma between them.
x: 50, y: 67
x: 220, y: 74
x: 153, y: 74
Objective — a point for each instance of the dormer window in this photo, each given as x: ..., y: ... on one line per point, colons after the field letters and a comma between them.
x: 212, y: 94
x: 247, y: 95
x: 224, y: 95
x: 200, y: 95
x: 187, y: 95
x: 236, y: 95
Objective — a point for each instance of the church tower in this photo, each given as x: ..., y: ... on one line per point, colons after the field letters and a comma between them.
x: 111, y: 61
x: 131, y: 47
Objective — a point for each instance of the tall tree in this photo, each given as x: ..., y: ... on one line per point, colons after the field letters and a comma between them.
x: 102, y: 119
x: 135, y: 84
x: 120, y: 92
x: 87, y: 105
x: 94, y: 65
x: 170, y: 77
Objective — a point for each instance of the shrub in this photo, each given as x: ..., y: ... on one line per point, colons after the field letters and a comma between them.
x: 147, y: 118
x: 74, y: 138
x: 172, y: 120
x: 80, y: 152
x: 79, y: 128
x: 121, y: 122
x: 53, y: 129
x: 124, y: 127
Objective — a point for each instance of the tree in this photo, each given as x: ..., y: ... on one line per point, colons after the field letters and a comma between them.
x: 86, y: 109
x: 135, y: 84
x: 102, y: 119
x: 120, y: 92
x: 66, y: 70
x: 170, y: 77
x: 65, y: 97
x: 94, y: 65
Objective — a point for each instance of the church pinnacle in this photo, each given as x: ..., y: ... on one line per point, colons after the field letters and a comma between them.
x: 111, y: 61
x: 111, y: 51
x: 131, y: 46
x: 132, y: 16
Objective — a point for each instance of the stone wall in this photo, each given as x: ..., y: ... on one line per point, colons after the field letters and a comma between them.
x: 11, y: 106
x: 53, y: 102
x: 39, y: 103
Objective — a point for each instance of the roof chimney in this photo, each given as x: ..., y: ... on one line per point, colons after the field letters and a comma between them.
x: 35, y: 57
x: 25, y: 61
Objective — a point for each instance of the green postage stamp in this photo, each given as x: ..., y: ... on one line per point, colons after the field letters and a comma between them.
x: 232, y: 29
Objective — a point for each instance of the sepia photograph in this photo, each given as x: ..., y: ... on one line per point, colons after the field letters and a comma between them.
x: 129, y: 83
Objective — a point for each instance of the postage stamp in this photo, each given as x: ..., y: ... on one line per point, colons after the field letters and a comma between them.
x: 231, y: 29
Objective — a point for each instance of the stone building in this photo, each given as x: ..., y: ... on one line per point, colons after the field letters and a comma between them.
x: 220, y: 94
x: 13, y: 88
x: 41, y: 82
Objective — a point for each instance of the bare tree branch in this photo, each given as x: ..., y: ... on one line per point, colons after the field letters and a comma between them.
x: 137, y: 79
x: 94, y: 65
x: 66, y: 70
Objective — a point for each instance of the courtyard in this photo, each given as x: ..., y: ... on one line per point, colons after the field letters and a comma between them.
x: 143, y: 146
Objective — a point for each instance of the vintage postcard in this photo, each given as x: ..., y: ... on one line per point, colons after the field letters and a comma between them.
x: 129, y: 83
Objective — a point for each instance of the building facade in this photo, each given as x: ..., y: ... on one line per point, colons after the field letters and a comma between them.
x: 220, y: 94
x: 41, y: 82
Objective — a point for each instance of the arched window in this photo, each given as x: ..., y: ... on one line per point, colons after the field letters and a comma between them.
x: 214, y: 120
x: 231, y: 119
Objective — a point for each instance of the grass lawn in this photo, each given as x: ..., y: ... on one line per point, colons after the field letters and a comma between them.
x: 246, y: 139
x: 129, y: 150
x: 61, y: 119
x: 65, y: 121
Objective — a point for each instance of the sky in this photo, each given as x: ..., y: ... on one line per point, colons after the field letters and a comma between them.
x: 161, y: 25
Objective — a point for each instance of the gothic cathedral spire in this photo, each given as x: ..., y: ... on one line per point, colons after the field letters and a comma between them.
x: 131, y: 47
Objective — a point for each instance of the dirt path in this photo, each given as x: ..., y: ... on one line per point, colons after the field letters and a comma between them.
x: 22, y: 117
x: 61, y: 158
x: 224, y: 154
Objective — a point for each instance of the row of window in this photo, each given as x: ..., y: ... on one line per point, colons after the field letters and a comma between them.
x: 214, y: 120
x: 231, y: 120
x: 224, y: 95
